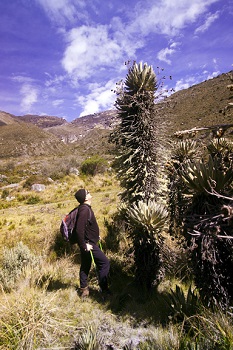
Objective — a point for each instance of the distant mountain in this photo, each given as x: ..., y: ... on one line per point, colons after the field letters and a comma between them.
x: 18, y: 138
x: 79, y: 128
x: 198, y: 106
x: 44, y: 121
x: 7, y: 118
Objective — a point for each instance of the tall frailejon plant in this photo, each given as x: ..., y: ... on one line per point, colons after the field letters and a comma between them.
x: 208, y: 230
x: 206, y: 224
x: 136, y: 164
x: 135, y: 136
x: 183, y: 151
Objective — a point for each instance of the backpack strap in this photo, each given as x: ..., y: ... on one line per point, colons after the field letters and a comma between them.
x: 89, y: 219
x: 76, y: 219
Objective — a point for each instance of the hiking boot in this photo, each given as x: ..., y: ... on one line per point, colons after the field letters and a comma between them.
x: 106, y: 294
x: 84, y: 292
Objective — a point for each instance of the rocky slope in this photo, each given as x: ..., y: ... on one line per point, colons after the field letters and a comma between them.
x: 199, y: 106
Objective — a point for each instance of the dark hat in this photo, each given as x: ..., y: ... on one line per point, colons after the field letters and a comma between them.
x: 80, y: 195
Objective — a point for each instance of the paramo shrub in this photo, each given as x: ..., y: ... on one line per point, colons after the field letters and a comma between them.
x: 14, y: 260
x: 93, y: 165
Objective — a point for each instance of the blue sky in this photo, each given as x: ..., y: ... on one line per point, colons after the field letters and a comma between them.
x: 64, y: 57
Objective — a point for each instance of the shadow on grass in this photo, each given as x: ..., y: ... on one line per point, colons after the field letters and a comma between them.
x: 127, y: 298
x: 60, y: 247
x: 53, y: 284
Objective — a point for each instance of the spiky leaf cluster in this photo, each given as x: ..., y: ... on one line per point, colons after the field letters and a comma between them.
x: 140, y: 78
x: 201, y: 177
x: 185, y: 150
x: 150, y: 216
x: 223, y: 150
x: 182, y: 305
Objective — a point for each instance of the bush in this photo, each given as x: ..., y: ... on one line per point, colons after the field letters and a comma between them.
x: 93, y: 165
x: 14, y: 261
x: 5, y: 193
x: 34, y: 179
x: 33, y: 200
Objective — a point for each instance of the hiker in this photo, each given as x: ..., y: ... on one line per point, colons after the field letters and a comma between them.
x: 87, y: 234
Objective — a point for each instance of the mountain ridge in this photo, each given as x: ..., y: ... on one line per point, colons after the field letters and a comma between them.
x: 200, y: 105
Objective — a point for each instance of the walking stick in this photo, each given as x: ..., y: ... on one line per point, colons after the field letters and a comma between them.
x: 93, y: 260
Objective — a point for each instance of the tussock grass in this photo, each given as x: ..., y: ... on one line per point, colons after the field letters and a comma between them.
x: 45, y: 311
x: 49, y: 313
x: 37, y: 224
x: 32, y: 319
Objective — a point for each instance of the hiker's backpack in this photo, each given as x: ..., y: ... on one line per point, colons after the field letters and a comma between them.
x: 68, y: 224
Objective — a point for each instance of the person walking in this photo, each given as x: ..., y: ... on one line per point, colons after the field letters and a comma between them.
x: 87, y: 236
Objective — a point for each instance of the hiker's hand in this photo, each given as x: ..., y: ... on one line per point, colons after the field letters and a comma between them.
x: 89, y: 247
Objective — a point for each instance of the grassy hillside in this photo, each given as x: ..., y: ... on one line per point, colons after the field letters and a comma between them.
x: 201, y: 105
x: 18, y: 139
x: 6, y: 118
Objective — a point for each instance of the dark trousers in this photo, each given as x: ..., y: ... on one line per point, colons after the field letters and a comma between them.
x: 102, y: 264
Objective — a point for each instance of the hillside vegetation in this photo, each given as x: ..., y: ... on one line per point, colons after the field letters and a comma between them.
x: 201, y: 105
x: 40, y: 302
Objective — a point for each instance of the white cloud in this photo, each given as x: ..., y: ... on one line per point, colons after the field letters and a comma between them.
x: 162, y: 16
x: 168, y: 51
x: 54, y: 81
x: 162, y: 55
x: 209, y: 20
x: 22, y: 79
x: 100, y: 98
x: 63, y: 11
x: 28, y: 91
x: 57, y: 103
x: 30, y: 95
x: 182, y: 84
x: 213, y: 75
x: 185, y: 83
x: 168, y: 17
x: 89, y: 49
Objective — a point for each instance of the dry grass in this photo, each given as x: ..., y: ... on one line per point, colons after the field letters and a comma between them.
x: 37, y: 225
x: 43, y: 309
x: 33, y: 319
